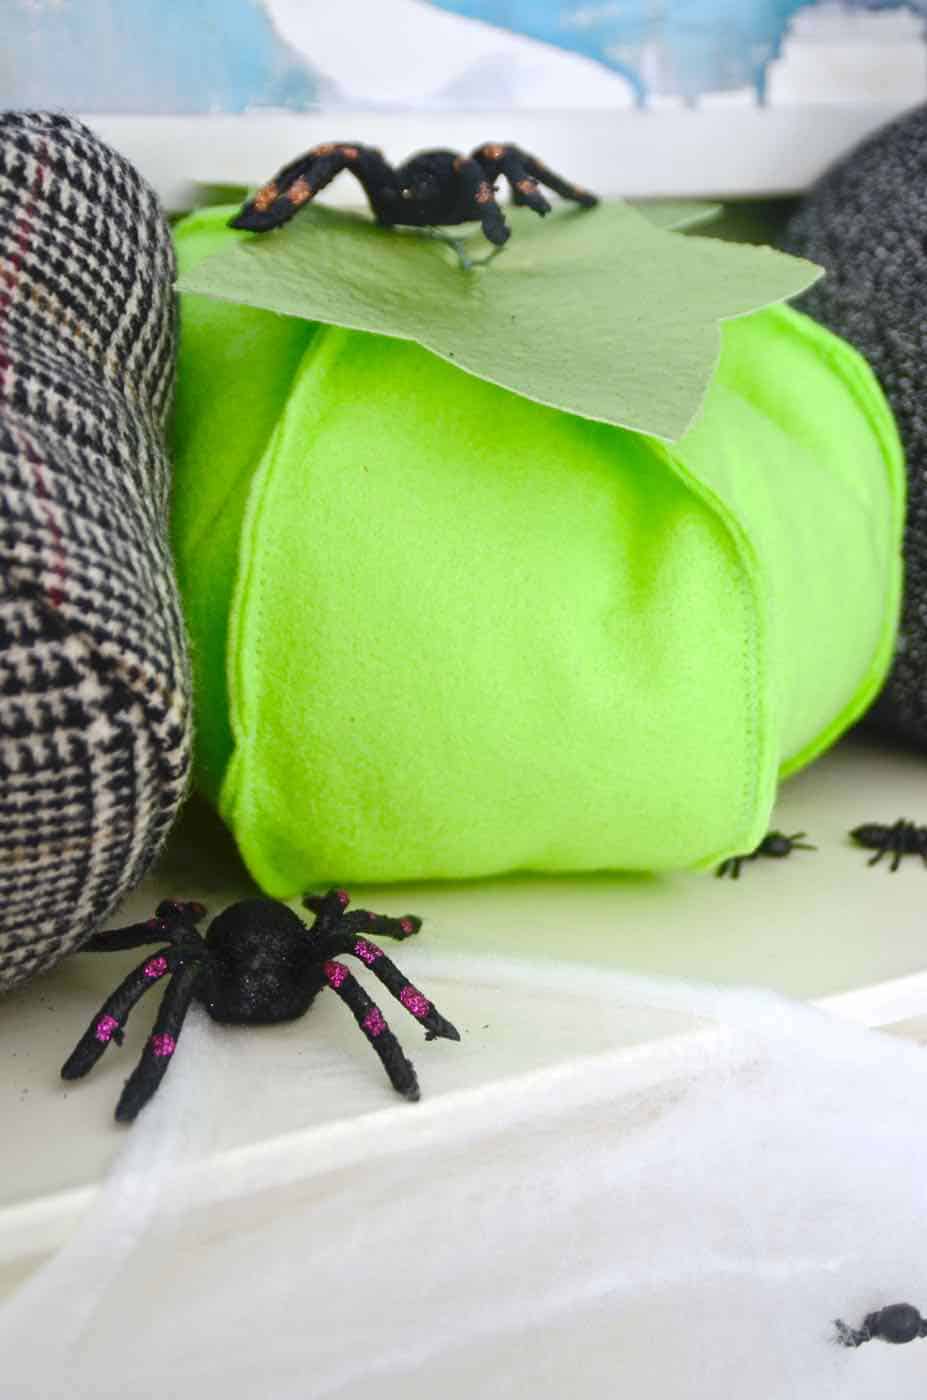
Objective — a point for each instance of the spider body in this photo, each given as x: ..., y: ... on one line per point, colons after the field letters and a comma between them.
x: 257, y: 965
x: 774, y: 844
x: 432, y: 188
x: 898, y: 1323
x: 261, y: 968
x: 902, y: 839
x: 426, y: 192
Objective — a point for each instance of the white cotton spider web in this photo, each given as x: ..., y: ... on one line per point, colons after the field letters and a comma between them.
x: 676, y: 1219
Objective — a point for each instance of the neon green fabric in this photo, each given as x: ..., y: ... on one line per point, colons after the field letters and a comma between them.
x: 443, y: 631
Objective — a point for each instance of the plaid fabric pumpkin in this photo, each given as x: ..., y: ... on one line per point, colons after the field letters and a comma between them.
x: 94, y: 680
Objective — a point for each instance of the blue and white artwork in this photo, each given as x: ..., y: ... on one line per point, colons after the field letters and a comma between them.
x: 149, y: 56
x: 695, y: 47
x: 191, y: 56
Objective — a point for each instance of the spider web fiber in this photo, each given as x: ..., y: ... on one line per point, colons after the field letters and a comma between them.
x: 683, y: 1217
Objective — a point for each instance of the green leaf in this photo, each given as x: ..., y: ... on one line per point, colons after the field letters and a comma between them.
x: 678, y: 214
x: 602, y: 313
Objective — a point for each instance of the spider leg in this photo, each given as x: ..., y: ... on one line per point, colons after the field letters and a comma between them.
x: 300, y: 181
x: 486, y: 258
x: 109, y: 1022
x: 556, y: 183
x: 363, y: 921
x: 330, y: 913
x: 525, y: 172
x: 369, y: 1017
x: 459, y: 247
x: 886, y: 844
x: 172, y: 920
x: 895, y: 843
x: 798, y: 844
x: 161, y: 1044
x: 851, y: 1336
x: 731, y: 867
x: 386, y: 971
x: 524, y: 186
x: 478, y: 200
x: 329, y: 906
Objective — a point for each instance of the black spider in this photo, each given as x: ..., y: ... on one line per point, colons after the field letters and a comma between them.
x: 902, y: 839
x: 258, y: 963
x: 898, y: 1323
x: 774, y: 844
x: 433, y: 188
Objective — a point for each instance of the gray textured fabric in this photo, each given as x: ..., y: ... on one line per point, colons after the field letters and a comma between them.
x: 94, y: 683
x: 866, y: 223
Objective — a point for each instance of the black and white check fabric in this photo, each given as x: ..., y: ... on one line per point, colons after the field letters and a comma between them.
x: 94, y: 684
x: 866, y: 223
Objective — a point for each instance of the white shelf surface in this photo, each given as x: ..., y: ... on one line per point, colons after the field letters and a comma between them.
x: 515, y: 962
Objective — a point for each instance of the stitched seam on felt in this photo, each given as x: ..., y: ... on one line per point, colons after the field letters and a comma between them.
x: 246, y: 618
x: 191, y: 546
x: 867, y: 395
x: 758, y: 770
x: 826, y: 347
x: 205, y: 220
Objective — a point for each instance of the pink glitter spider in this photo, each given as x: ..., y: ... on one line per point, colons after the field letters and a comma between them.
x: 258, y: 963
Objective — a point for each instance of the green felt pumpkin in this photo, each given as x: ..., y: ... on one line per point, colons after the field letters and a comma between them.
x: 442, y: 630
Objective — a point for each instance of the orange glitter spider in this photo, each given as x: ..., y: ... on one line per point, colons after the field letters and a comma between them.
x: 431, y: 189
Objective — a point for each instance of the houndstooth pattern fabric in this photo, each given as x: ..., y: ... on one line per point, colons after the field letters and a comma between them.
x: 866, y: 223
x: 94, y: 683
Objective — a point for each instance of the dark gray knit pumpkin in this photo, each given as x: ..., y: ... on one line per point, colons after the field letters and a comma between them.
x: 94, y: 683
x: 866, y: 223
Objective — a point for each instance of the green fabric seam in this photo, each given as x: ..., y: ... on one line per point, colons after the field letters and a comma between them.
x: 205, y: 219
x: 759, y: 788
x: 321, y: 346
x: 233, y: 486
x: 863, y: 385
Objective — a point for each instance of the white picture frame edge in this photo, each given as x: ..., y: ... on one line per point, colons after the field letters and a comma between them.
x: 719, y: 151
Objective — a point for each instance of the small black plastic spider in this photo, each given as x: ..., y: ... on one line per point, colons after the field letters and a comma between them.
x: 897, y: 1323
x: 774, y: 844
x: 431, y: 189
x: 903, y: 838
x: 258, y: 963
